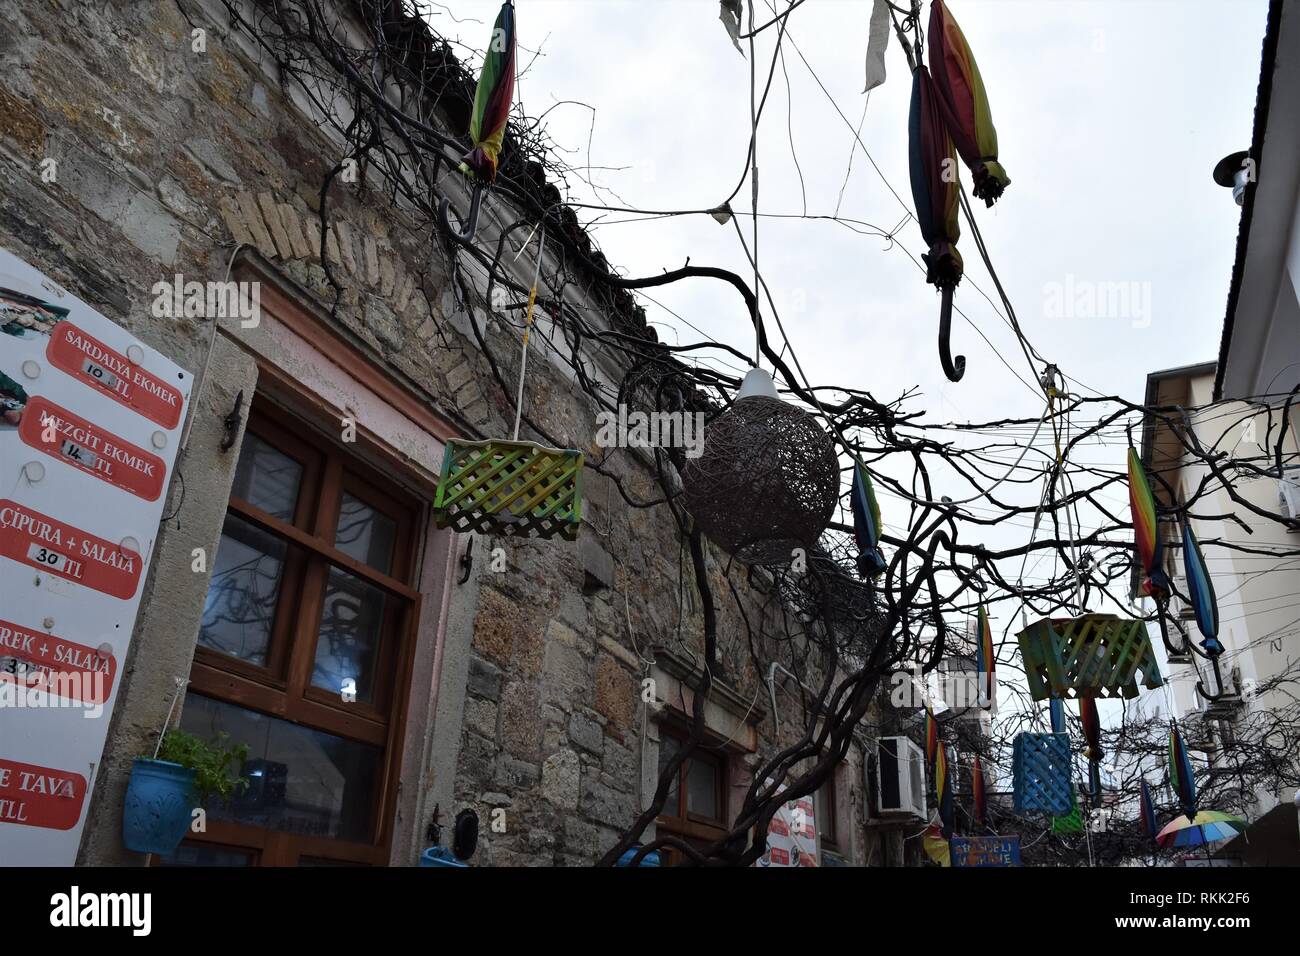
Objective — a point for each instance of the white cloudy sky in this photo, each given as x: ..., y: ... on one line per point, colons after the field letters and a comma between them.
x: 1110, y: 114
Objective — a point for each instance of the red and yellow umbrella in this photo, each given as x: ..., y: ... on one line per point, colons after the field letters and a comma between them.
x: 964, y: 103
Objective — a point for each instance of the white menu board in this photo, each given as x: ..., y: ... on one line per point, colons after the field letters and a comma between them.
x: 90, y: 423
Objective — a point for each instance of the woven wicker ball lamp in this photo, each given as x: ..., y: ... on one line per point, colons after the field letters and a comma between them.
x: 768, y: 479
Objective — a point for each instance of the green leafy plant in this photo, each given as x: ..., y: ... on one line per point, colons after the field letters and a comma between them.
x: 215, y: 764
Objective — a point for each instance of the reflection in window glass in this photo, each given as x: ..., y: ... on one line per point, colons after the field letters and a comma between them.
x: 267, y: 478
x: 240, y: 606
x: 668, y: 746
x: 366, y: 534
x: 702, y: 789
x: 351, y: 625
x: 301, y: 780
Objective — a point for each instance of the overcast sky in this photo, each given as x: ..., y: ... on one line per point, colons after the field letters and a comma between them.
x: 1110, y: 114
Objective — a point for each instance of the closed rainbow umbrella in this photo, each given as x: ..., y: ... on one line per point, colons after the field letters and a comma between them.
x: 496, y: 89
x: 931, y: 738
x: 964, y: 103
x: 1146, y: 531
x: 1147, y: 809
x: 1200, y: 589
x: 985, y: 661
x: 1091, y: 728
x: 1180, y: 772
x: 866, y: 522
x: 933, y: 168
x: 943, y: 790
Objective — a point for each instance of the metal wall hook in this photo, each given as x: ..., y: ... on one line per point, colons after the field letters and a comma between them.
x: 471, y: 226
x: 953, y: 368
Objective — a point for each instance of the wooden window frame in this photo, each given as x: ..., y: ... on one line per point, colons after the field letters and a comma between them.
x: 827, y: 808
x: 283, y: 688
x: 683, y: 823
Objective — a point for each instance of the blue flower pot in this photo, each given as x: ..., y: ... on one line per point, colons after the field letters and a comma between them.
x: 440, y: 856
x: 159, y: 806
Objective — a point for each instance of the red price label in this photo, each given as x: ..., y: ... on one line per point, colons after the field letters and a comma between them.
x: 89, y: 448
x: 89, y: 360
x: 35, y: 796
x: 40, y: 541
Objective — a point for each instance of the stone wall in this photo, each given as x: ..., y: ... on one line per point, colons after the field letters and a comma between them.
x: 167, y: 161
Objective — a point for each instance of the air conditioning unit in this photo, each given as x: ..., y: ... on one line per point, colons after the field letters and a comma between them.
x: 900, y: 779
x: 1288, y: 498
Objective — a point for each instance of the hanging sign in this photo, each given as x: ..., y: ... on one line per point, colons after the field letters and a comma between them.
x: 89, y: 429
x: 985, y: 851
x: 792, y: 835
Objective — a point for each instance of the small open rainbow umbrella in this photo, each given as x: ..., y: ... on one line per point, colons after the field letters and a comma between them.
x: 1208, y: 826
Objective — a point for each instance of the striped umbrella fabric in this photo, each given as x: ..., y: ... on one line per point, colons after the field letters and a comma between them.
x: 1147, y: 809
x: 977, y: 792
x: 1146, y: 531
x: 1091, y: 728
x: 985, y: 661
x: 866, y: 522
x: 1200, y: 589
x: 933, y: 167
x: 964, y: 103
x: 1180, y: 772
x: 943, y: 790
x: 496, y: 89
x: 1208, y: 826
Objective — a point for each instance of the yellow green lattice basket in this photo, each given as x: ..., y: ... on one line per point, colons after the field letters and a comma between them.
x: 1095, y: 655
x: 516, y: 488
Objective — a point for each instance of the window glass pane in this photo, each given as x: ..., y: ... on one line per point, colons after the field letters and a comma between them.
x: 351, y: 625
x: 200, y: 854
x: 702, y: 789
x: 243, y: 592
x: 668, y: 746
x: 267, y: 478
x: 300, y: 780
x: 366, y: 534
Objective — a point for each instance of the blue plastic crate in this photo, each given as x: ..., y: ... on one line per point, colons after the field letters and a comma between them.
x: 1041, y: 767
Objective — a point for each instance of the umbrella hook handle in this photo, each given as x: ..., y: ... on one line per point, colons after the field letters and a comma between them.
x: 471, y: 226
x: 1218, y: 680
x: 953, y: 368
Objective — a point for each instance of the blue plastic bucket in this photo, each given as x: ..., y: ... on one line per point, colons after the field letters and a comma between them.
x: 650, y: 859
x: 159, y: 806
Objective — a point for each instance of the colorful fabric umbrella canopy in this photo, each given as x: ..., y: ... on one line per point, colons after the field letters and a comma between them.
x: 1208, y: 826
x: 1200, y: 589
x: 496, y: 89
x: 935, y: 184
x: 931, y: 738
x: 985, y: 661
x: 1091, y: 728
x: 943, y: 790
x: 933, y: 167
x: 936, y: 845
x: 1142, y: 504
x: 1180, y: 772
x: 1147, y: 809
x: 977, y: 792
x: 964, y: 103
x: 866, y: 523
